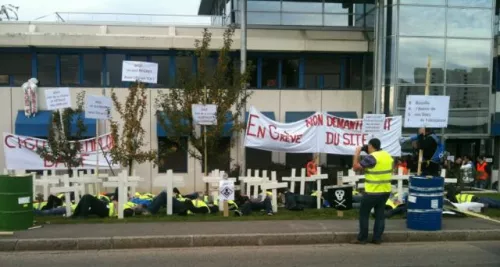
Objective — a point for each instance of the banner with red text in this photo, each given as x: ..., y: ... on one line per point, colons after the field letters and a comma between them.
x: 20, y: 153
x: 319, y: 133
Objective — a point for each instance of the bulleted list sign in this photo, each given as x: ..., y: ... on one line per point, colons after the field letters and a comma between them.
x: 426, y: 111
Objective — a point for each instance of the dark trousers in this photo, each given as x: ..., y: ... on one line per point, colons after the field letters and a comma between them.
x: 299, y: 202
x: 248, y: 207
x: 90, y: 205
x: 161, y: 201
x: 52, y: 202
x: 430, y: 168
x: 492, y: 203
x: 377, y: 202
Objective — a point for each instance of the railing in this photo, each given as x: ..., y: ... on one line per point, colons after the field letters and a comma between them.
x: 128, y: 18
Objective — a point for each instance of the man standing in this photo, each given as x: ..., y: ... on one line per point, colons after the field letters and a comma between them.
x: 433, y: 151
x: 482, y: 173
x: 378, y: 173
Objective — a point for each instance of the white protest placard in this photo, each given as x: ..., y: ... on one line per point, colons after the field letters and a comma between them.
x: 204, y: 114
x: 98, y: 107
x: 426, y: 111
x: 146, y: 72
x: 226, y: 190
x: 319, y: 133
x: 373, y: 123
x: 58, y: 98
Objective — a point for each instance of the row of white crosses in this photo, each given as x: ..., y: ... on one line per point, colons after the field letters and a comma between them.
x: 123, y: 181
x: 213, y: 180
x: 263, y: 183
x: 169, y: 181
x: 303, y: 179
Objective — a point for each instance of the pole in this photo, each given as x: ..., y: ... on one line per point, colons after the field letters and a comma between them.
x: 243, y: 68
x: 427, y: 83
x: 205, y: 151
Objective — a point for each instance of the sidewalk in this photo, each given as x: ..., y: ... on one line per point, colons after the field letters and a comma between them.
x: 192, y: 234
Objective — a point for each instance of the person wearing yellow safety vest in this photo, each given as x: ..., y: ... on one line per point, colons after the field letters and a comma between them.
x: 91, y: 205
x: 455, y: 197
x: 263, y: 202
x: 378, y: 167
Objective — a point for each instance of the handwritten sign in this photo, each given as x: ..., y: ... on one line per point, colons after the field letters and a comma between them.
x: 98, y: 107
x: 373, y: 123
x: 204, y: 114
x: 58, y: 98
x: 426, y: 111
x: 146, y: 72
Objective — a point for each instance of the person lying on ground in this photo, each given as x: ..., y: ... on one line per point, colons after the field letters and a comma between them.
x: 453, y: 195
x: 104, y: 207
x: 298, y: 202
x: 262, y: 202
x: 54, y: 206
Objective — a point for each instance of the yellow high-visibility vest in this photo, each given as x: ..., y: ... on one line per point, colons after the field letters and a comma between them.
x: 464, y: 198
x: 378, y: 178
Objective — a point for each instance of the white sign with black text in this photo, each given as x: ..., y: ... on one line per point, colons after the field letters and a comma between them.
x: 204, y: 114
x: 58, y: 98
x: 426, y: 111
x: 98, y: 107
x: 226, y: 190
x: 146, y: 72
x: 373, y: 123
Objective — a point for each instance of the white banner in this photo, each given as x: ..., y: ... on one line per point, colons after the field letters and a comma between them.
x: 20, y: 153
x: 319, y: 133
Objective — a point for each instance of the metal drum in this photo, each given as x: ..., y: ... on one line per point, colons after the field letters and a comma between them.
x: 425, y: 203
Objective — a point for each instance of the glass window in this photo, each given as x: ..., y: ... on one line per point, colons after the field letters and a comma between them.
x: 468, y: 121
x: 177, y: 161
x: 468, y: 97
x: 258, y: 159
x: 183, y: 67
x: 468, y: 61
x: 368, y: 71
x: 290, y: 75
x: 301, y: 19
x: 413, y: 53
x: 163, y: 70
x: 270, y: 72
x: 423, y: 2
x: 17, y: 66
x: 322, y: 73
x: 305, y: 7
x: 263, y: 5
x: 138, y: 58
x: 252, y: 63
x: 389, y: 69
x: 114, y: 69
x: 354, y: 69
x: 92, y: 70
x: 421, y: 21
x: 406, y: 90
x: 47, y: 70
x: 70, y: 70
x: 263, y: 18
x: 333, y: 6
x: 467, y: 22
x: 336, y: 20
x: 210, y: 66
x: 471, y: 3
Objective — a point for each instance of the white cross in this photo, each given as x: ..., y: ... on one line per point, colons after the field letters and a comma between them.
x: 213, y: 180
x: 67, y: 189
x: 169, y: 181
x: 121, y: 181
x: 273, y: 185
x: 46, y: 181
x: 302, y: 179
x: 318, y: 177
x: 83, y: 180
x: 133, y: 181
x: 254, y: 181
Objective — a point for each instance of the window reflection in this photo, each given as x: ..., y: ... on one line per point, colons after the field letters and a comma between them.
x: 290, y: 75
x: 469, y: 23
x: 336, y: 20
x: 302, y: 19
x: 306, y: 7
x: 263, y: 18
x: 114, y: 68
x: 47, y: 70
x: 163, y: 70
x: 322, y: 73
x: 70, y: 70
x: 270, y: 72
x: 17, y: 66
x: 421, y: 21
x: 471, y: 3
x: 424, y: 2
x: 412, y: 64
x: 92, y: 69
x: 406, y: 90
x: 468, y: 121
x: 256, y: 5
x: 468, y: 61
x: 468, y: 97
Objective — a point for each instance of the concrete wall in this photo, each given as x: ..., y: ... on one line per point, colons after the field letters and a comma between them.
x: 277, y: 101
x: 40, y: 34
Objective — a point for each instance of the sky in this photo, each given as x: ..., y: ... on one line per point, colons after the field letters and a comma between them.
x: 32, y: 9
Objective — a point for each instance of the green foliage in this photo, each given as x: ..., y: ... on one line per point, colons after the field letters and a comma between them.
x: 221, y: 85
x: 128, y: 146
x: 60, y: 147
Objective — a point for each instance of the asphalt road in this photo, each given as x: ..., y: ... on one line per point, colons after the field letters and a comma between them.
x: 402, y: 255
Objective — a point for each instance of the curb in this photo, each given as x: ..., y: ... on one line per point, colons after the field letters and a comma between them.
x: 134, y: 242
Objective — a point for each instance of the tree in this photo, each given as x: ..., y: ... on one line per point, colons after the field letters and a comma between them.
x: 62, y: 143
x: 223, y: 87
x: 128, y: 146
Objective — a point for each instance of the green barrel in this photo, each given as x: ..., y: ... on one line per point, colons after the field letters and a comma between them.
x: 16, y: 203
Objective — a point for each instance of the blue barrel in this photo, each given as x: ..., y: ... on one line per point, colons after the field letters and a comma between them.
x: 425, y: 203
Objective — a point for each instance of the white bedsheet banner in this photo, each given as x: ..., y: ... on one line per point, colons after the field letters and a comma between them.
x: 319, y: 133
x: 20, y: 153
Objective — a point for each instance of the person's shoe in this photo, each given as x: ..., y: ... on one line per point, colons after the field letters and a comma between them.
x: 357, y: 242
x: 376, y: 242
x: 238, y: 213
x: 270, y: 214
